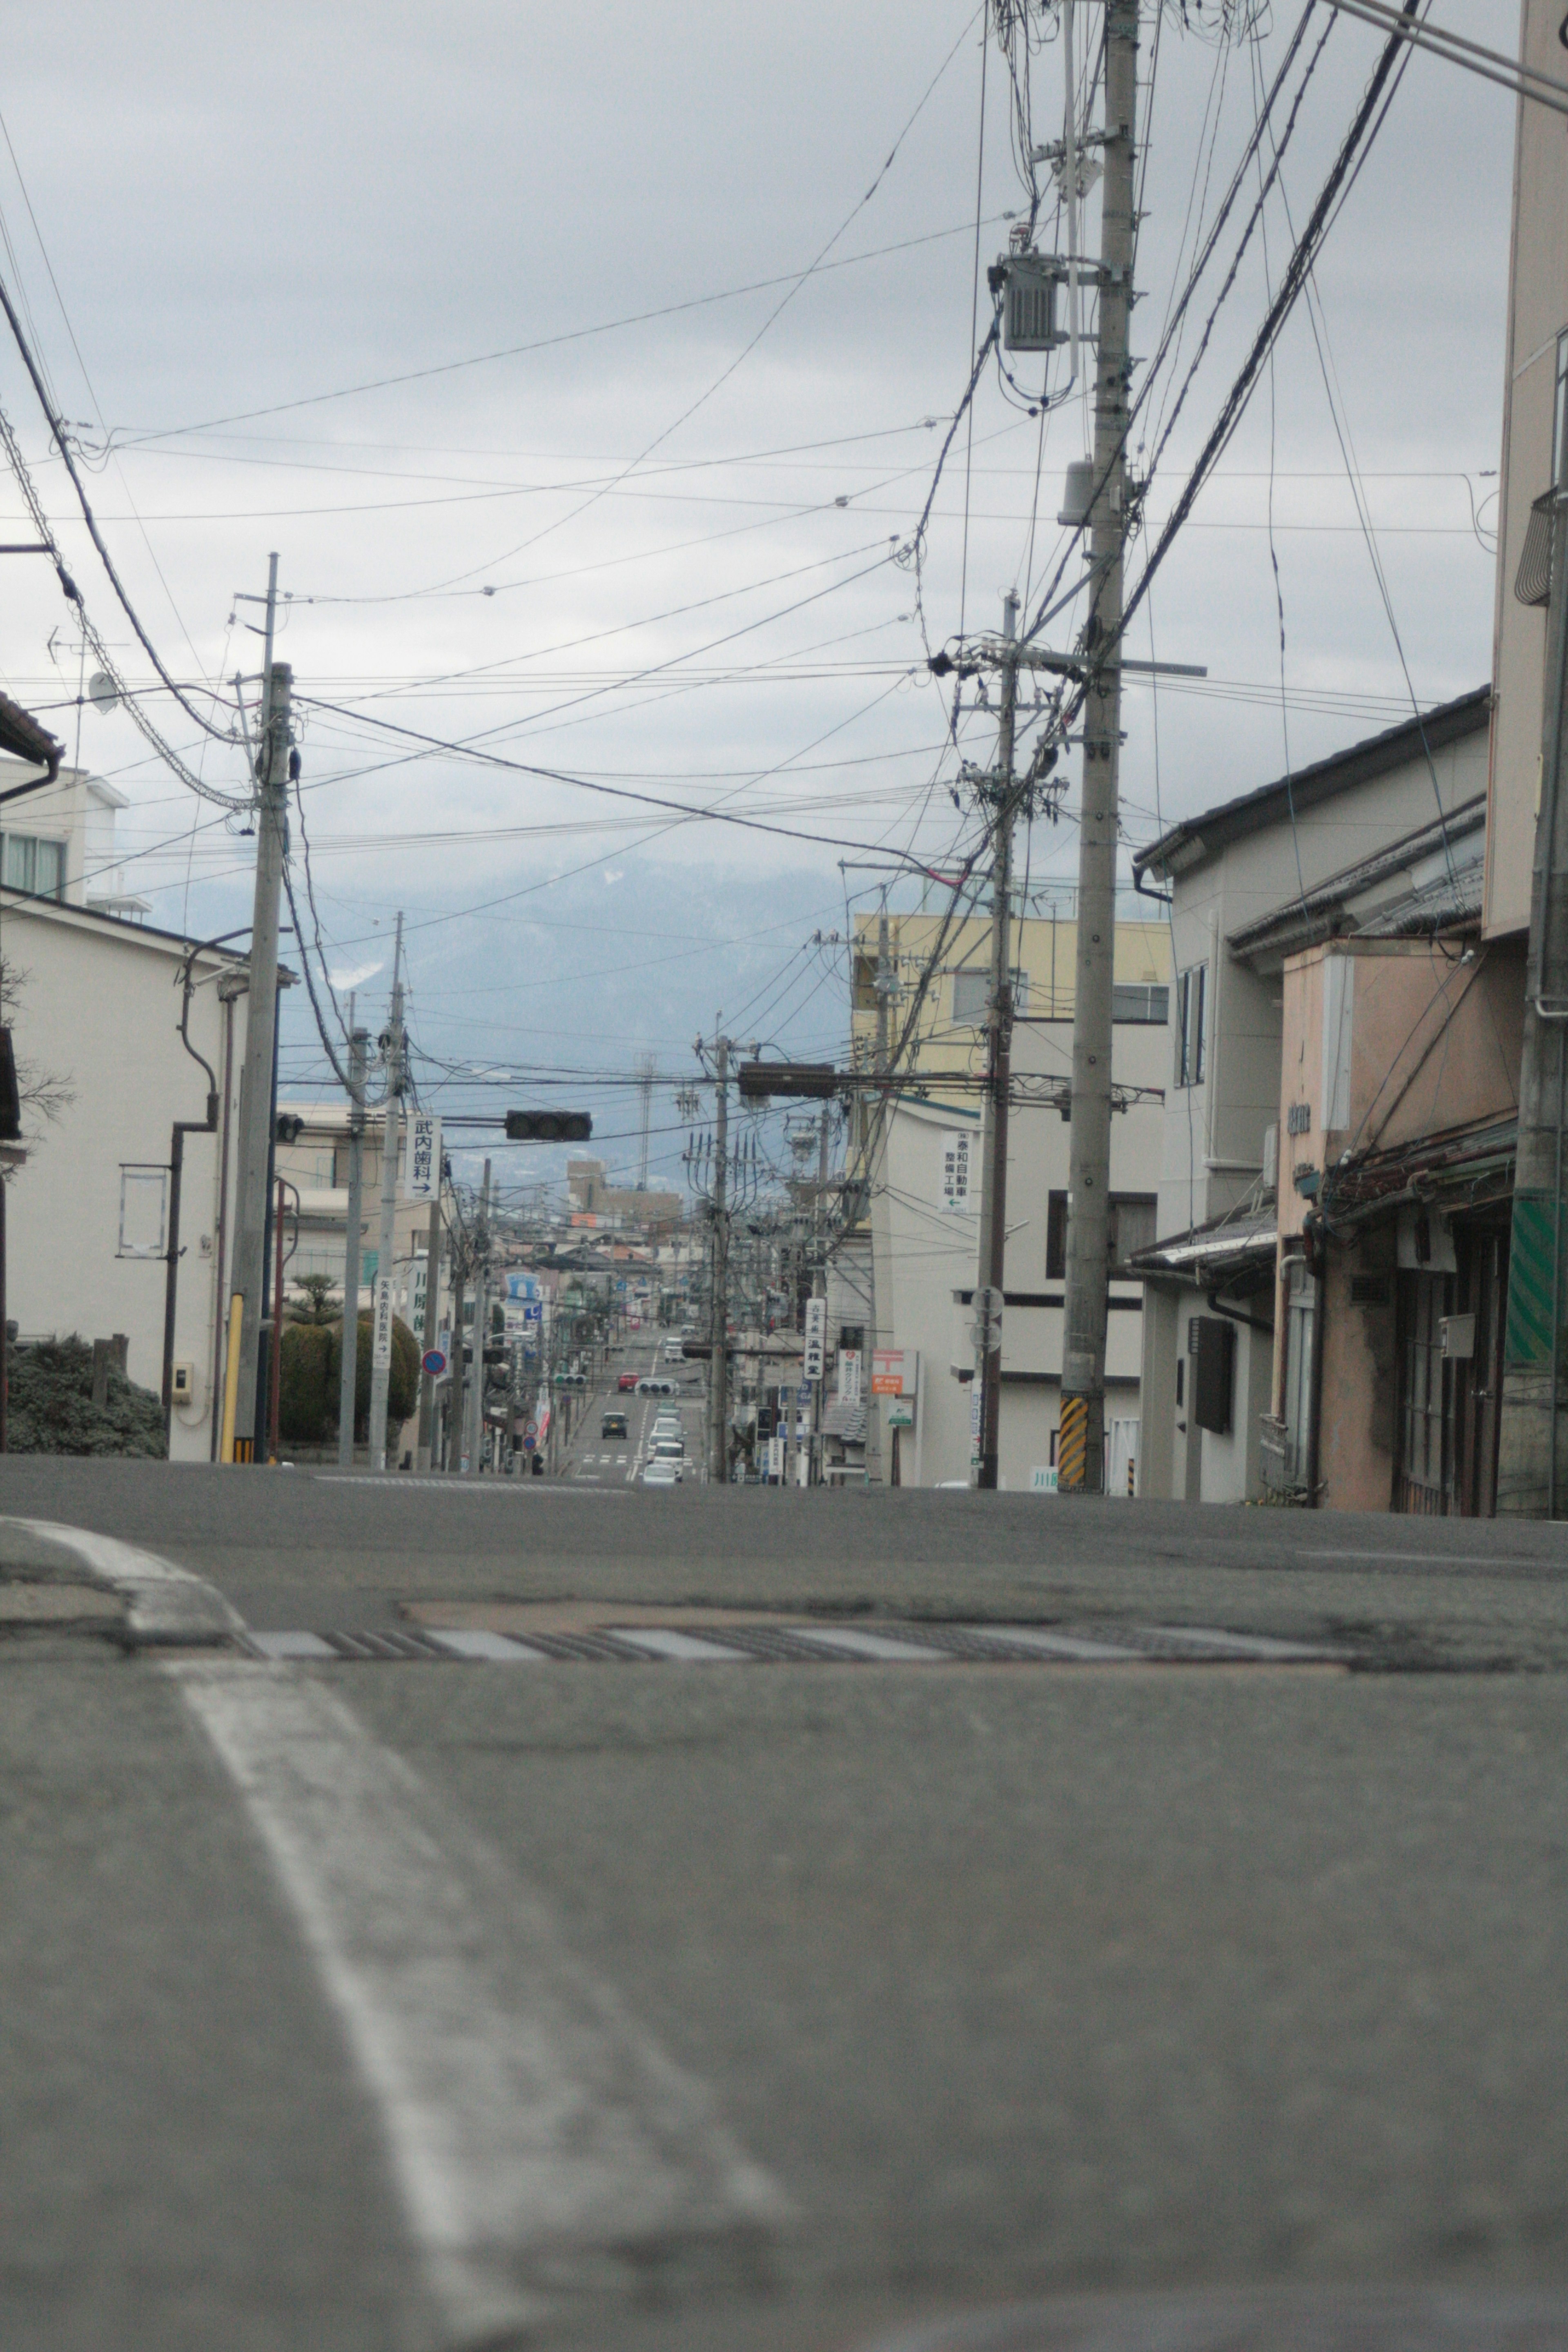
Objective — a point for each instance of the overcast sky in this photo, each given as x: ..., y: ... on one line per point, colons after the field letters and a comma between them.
x: 658, y: 553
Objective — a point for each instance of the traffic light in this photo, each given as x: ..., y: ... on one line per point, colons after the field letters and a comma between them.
x: 548, y: 1127
x: 290, y: 1127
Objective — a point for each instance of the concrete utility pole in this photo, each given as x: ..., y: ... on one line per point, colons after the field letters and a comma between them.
x: 719, y: 1376
x: 1530, y: 1464
x: 432, y: 1323
x: 819, y: 1290
x: 380, y: 1317
x: 348, y: 1381
x: 457, y: 1405
x: 1080, y: 1451
x: 992, y: 1253
x: 260, y: 1029
x: 474, y: 1446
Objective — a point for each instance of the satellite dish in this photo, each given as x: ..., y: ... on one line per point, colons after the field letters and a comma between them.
x: 101, y: 691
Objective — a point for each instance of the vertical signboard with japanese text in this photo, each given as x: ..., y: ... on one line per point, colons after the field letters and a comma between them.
x: 422, y: 1164
x: 956, y: 1145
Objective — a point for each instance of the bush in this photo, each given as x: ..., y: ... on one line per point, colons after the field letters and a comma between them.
x: 52, y: 1411
x: 310, y: 1380
x: 307, y: 1384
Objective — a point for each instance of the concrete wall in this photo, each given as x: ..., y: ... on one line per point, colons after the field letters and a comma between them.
x: 99, y: 1010
x: 1538, y: 310
x: 1388, y: 1040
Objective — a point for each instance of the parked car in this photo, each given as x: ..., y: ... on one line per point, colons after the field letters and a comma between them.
x: 613, y: 1424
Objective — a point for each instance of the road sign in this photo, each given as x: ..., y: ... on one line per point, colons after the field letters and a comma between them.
x: 380, y: 1346
x: 986, y: 1328
x: 434, y: 1363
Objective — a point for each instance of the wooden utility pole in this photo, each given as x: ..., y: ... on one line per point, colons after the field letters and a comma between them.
x: 1081, y: 1446
x: 261, y: 1030
x: 348, y: 1370
x: 381, y: 1296
x: 993, y: 1251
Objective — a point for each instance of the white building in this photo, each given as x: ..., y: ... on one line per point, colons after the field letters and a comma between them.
x: 97, y: 1017
x: 925, y: 1192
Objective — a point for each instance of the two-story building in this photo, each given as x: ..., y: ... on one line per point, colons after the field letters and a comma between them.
x: 1384, y: 835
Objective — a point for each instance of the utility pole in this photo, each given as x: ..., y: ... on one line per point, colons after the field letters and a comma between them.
x: 1530, y: 1470
x: 818, y: 1290
x: 719, y: 1376
x: 1080, y: 1451
x: 428, y: 1338
x: 992, y: 1253
x: 348, y: 1376
x: 260, y: 1029
x: 475, y: 1447
x: 381, y: 1320
x: 456, y: 1395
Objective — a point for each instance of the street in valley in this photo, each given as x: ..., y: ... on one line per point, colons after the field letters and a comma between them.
x: 552, y: 1911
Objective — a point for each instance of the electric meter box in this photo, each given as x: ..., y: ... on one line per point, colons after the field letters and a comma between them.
x: 1029, y: 301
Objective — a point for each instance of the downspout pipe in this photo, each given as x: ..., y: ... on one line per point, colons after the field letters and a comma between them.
x: 182, y: 1127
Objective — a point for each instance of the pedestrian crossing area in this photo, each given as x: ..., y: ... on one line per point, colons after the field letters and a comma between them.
x: 737, y: 1642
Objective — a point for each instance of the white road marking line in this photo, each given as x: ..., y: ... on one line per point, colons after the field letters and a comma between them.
x: 529, y: 2117
x: 291, y: 1645
x: 691, y: 1649
x: 166, y: 1603
x: 1050, y: 1645
x: 1245, y: 1645
x: 397, y: 1483
x: 867, y: 1645
x: 497, y: 1648
x: 1441, y: 1558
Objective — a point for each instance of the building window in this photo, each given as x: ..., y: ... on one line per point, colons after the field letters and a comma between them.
x: 972, y: 990
x: 1192, y: 999
x: 1135, y: 1219
x: 1134, y: 1000
x: 1133, y: 1223
x: 1057, y: 1237
x: 34, y: 865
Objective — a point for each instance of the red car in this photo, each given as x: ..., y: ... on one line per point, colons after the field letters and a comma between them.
x: 627, y: 1381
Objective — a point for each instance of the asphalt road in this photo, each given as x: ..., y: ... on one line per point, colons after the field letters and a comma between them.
x: 740, y: 2006
x: 592, y: 1459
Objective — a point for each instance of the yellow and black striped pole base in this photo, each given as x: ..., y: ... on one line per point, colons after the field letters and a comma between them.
x: 1072, y: 1445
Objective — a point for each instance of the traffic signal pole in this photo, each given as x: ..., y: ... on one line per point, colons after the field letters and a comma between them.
x: 348, y: 1373
x: 1080, y: 1451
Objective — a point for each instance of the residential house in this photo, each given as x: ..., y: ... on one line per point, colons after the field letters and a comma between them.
x: 1248, y: 879
x: 97, y: 1025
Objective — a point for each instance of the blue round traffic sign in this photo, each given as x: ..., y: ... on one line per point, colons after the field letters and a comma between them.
x: 434, y: 1363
